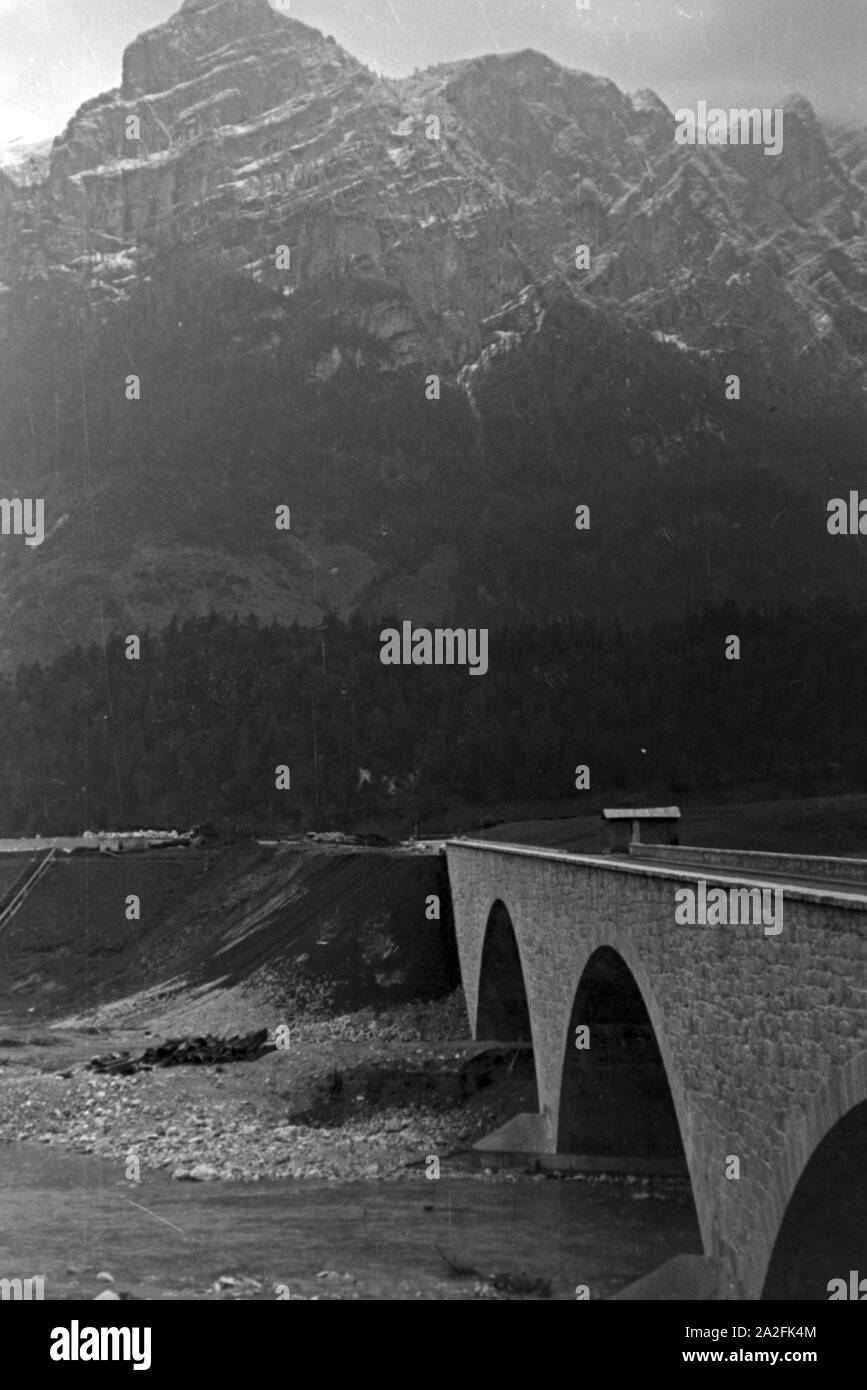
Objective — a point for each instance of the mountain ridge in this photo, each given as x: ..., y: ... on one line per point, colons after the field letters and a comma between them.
x: 432, y: 223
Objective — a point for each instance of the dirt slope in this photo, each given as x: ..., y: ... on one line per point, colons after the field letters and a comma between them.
x: 340, y: 928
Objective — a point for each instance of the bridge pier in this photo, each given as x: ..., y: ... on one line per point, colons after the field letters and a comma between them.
x: 523, y: 1137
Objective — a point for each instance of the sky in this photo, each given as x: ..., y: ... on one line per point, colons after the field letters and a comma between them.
x: 54, y: 54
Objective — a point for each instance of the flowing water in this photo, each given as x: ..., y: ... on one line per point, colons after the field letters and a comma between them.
x: 67, y: 1217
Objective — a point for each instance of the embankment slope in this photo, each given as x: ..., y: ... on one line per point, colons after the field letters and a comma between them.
x: 338, y: 928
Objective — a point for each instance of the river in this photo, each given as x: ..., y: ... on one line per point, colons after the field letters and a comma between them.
x: 68, y: 1218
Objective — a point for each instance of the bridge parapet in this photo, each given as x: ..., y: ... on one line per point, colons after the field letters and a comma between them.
x: 818, y: 867
x: 652, y: 861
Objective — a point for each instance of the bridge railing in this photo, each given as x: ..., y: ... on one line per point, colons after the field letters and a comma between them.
x: 813, y: 866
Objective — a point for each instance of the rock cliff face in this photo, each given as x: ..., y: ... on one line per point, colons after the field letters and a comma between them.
x: 241, y: 128
x: 432, y: 226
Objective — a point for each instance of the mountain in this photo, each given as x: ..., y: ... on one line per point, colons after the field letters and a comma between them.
x: 428, y: 226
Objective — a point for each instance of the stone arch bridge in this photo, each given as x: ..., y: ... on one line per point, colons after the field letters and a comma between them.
x: 759, y: 1039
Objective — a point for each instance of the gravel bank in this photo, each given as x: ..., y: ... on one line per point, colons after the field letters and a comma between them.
x: 351, y: 1098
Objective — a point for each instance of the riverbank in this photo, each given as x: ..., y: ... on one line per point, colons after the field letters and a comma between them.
x: 349, y: 1098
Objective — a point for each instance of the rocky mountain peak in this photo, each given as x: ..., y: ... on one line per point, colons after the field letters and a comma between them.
x: 214, y: 66
x: 172, y: 52
x: 219, y: 9
x: 807, y: 178
x: 205, y: 6
x: 800, y: 116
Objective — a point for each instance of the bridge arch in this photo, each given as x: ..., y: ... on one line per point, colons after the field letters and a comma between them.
x: 503, y: 1008
x: 818, y: 1224
x: 616, y: 1097
x: 508, y: 1005
x: 504, y: 1011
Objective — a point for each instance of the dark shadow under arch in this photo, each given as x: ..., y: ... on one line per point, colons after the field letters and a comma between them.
x: 503, y: 1012
x: 615, y: 1099
x: 823, y: 1235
